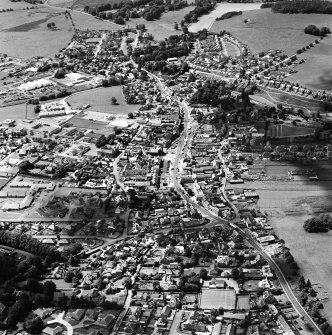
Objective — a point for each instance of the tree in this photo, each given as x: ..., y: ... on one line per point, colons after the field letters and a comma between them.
x: 301, y: 283
x: 34, y: 326
x: 127, y: 283
x: 37, y: 109
x: 114, y: 101
x: 130, y: 115
x: 176, y: 26
x: 59, y: 74
x: 49, y: 288
x: 235, y: 273
x: 311, y: 29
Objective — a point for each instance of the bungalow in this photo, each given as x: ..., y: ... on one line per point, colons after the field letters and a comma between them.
x: 52, y: 331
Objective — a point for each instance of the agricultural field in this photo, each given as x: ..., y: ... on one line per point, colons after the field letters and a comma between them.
x: 80, y: 4
x: 85, y: 21
x: 6, y: 4
x: 25, y: 33
x: 288, y: 204
x: 266, y: 30
x: 164, y: 27
x: 316, y: 71
x: 100, y: 101
x: 206, y: 21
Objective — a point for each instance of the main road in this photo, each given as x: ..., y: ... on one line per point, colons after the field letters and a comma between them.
x: 217, y: 220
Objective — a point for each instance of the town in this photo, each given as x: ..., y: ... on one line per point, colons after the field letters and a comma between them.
x: 130, y: 190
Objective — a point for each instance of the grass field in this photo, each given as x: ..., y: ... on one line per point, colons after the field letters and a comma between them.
x: 316, y: 72
x: 206, y: 21
x: 100, y: 101
x: 16, y: 112
x: 80, y: 4
x: 211, y: 299
x: 268, y: 30
x: 288, y: 205
x: 288, y: 131
x: 165, y: 26
x: 23, y: 35
x: 84, y: 21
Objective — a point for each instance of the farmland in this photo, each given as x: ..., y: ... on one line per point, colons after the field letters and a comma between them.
x: 164, y: 27
x: 100, y: 100
x: 316, y: 72
x: 289, y: 131
x: 266, y: 30
x: 206, y: 21
x: 26, y: 35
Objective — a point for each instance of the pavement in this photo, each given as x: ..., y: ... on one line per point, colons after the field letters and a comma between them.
x: 63, y: 322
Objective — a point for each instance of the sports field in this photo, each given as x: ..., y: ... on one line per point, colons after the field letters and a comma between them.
x: 100, y: 101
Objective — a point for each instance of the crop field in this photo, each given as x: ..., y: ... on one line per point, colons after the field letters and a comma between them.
x: 24, y: 34
x: 80, y: 4
x: 288, y: 131
x: 206, y: 21
x: 163, y: 27
x: 266, y: 30
x: 100, y: 101
x: 85, y: 21
x: 316, y: 71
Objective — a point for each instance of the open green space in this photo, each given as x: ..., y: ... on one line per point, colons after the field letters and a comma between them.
x: 25, y: 33
x: 100, y: 101
x: 288, y: 131
x: 163, y: 27
x: 316, y: 71
x: 207, y: 20
x: 16, y: 112
x: 265, y: 30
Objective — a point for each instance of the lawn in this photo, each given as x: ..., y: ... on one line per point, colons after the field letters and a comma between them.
x: 26, y: 36
x: 206, y: 21
x: 316, y: 72
x: 267, y: 30
x: 100, y: 101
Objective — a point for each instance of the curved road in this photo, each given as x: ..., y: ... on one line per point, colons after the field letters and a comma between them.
x: 215, y: 220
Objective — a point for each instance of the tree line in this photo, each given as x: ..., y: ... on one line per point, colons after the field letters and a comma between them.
x: 303, y: 6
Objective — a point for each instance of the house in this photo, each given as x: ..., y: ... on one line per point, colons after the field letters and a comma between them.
x: 52, y: 331
x: 76, y: 315
x: 105, y: 321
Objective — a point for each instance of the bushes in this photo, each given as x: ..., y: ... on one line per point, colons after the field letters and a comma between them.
x: 322, y: 224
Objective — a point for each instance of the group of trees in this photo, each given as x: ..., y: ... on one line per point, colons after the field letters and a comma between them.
x: 130, y: 10
x: 321, y: 224
x: 27, y: 243
x: 51, y: 25
x: 311, y: 29
x: 202, y: 7
x: 228, y: 15
x: 303, y: 6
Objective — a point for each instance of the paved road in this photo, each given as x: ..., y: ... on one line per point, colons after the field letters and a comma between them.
x: 66, y: 324
x: 217, y: 220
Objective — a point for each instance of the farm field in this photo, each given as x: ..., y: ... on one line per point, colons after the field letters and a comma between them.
x: 288, y: 205
x: 85, y: 21
x: 206, y: 21
x: 100, y: 101
x: 164, y: 27
x: 316, y: 71
x: 26, y: 36
x: 80, y: 4
x: 266, y: 30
